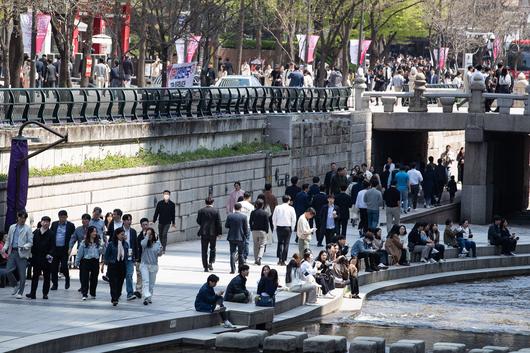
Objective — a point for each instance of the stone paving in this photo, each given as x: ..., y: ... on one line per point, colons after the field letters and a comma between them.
x: 178, y: 281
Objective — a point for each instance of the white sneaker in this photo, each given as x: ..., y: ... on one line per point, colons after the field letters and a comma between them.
x: 441, y: 261
x: 18, y: 296
x: 432, y: 261
x: 464, y: 251
x: 84, y: 298
x: 424, y: 261
x: 382, y: 266
x: 228, y: 324
x: 434, y: 251
x: 329, y: 295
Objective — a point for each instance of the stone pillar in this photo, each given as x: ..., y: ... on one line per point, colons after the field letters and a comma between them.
x: 477, y: 191
x: 418, y: 103
x: 388, y: 104
x: 359, y: 88
x: 447, y: 104
x: 476, y: 103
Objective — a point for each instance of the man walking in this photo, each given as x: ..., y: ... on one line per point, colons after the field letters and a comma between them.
x: 329, y: 176
x: 41, y: 257
x: 246, y: 208
x: 415, y: 178
x: 392, y: 197
x: 403, y: 185
x: 284, y: 220
x: 373, y: 200
x: 132, y: 240
x: 329, y: 217
x: 63, y: 230
x: 144, y: 223
x: 210, y: 228
x: 440, y: 180
x: 19, y: 243
x: 165, y: 213
x: 237, y: 230
x: 100, y: 74
x: 344, y: 202
x: 259, y: 225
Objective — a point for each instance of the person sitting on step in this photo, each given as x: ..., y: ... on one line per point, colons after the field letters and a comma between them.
x: 237, y: 290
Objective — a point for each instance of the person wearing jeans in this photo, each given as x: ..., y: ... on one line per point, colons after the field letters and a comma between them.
x: 284, y: 220
x: 151, y: 250
x: 415, y: 179
x: 165, y: 214
x: 403, y: 185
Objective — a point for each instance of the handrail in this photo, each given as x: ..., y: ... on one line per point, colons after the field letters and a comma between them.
x: 92, y: 105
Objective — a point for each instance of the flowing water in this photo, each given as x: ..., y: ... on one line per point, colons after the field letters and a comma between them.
x: 479, y: 313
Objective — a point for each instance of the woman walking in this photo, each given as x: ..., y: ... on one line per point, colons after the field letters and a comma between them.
x: 87, y: 260
x: 115, y: 258
x: 151, y: 250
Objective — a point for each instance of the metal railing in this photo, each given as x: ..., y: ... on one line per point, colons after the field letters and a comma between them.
x: 80, y: 105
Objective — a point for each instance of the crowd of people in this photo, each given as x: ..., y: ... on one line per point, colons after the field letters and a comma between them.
x: 321, y: 210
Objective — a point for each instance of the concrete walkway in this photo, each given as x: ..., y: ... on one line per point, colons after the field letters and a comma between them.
x: 178, y: 281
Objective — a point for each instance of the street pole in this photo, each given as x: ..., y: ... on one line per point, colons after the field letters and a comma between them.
x: 308, y: 33
x: 33, y: 54
x: 361, y: 34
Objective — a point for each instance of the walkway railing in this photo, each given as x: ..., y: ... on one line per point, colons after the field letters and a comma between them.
x: 446, y: 97
x: 78, y: 105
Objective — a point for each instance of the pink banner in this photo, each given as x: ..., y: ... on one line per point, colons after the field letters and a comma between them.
x: 313, y: 40
x: 497, y: 47
x: 193, y: 44
x: 43, y: 21
x: 354, y: 50
x: 443, y: 57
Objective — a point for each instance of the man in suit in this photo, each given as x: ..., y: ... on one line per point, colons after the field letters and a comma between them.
x: 329, y: 217
x: 18, y: 244
x: 209, y: 221
x: 329, y: 176
x: 344, y: 202
x: 63, y: 230
x: 165, y: 213
x: 237, y: 231
x: 42, y: 254
x: 319, y: 201
x: 132, y: 256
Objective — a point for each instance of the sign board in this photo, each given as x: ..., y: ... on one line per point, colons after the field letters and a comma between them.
x: 468, y: 60
x: 88, y: 69
x: 181, y: 75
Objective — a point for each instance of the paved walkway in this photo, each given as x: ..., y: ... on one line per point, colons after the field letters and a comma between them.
x: 179, y: 279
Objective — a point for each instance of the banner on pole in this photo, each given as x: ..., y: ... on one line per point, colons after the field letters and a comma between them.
x: 354, y: 50
x: 43, y: 21
x: 181, y: 75
x: 468, y: 60
x: 179, y: 49
x: 313, y: 40
x: 443, y: 57
x: 193, y: 44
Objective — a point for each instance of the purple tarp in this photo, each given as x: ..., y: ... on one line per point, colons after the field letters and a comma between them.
x: 19, y: 150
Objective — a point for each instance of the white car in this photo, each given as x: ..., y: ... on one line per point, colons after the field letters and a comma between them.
x: 238, y: 81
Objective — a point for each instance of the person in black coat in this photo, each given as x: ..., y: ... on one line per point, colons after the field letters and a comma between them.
x: 237, y: 290
x: 165, y: 214
x: 209, y: 221
x: 41, y: 257
x: 440, y: 180
x: 428, y: 183
x: 329, y: 229
x: 329, y: 176
x: 344, y: 203
x: 293, y: 189
x: 319, y: 200
x: 237, y: 231
x: 131, y: 237
x: 63, y: 230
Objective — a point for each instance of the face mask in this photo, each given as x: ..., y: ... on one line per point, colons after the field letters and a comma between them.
x: 166, y: 197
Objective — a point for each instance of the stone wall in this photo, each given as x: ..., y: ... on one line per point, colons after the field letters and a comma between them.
x: 437, y: 140
x: 137, y: 190
x: 98, y: 140
x: 317, y: 139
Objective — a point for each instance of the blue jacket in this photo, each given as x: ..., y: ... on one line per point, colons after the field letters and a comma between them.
x: 301, y: 203
x: 111, y: 253
x: 206, y: 299
x: 360, y: 246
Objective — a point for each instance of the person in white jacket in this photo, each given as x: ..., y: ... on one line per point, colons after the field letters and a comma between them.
x: 19, y: 243
x: 304, y: 230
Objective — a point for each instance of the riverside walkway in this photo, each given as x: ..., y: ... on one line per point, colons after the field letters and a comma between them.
x: 29, y: 322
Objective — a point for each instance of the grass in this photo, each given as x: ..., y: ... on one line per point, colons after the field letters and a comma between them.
x: 148, y: 158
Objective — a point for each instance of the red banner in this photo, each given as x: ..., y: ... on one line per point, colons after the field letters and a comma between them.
x: 43, y: 21
x: 193, y: 44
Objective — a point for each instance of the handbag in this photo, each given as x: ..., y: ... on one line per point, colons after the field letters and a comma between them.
x: 264, y: 300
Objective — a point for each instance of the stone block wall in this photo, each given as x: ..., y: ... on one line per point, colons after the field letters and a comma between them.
x: 437, y: 140
x: 101, y: 139
x: 137, y: 190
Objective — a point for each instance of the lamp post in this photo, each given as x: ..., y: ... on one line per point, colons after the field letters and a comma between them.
x: 18, y: 169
